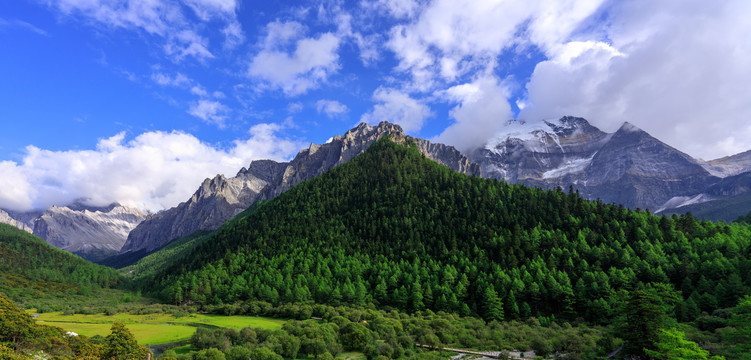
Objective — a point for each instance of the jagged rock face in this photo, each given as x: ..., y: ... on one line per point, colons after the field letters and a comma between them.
x: 219, y: 199
x: 731, y: 186
x: 6, y: 218
x: 628, y: 167
x: 88, y: 230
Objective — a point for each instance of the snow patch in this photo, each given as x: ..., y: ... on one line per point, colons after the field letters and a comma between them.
x: 680, y: 201
x: 531, y: 135
x: 628, y: 127
x: 570, y: 166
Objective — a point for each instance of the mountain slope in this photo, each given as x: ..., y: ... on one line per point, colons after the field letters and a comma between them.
x: 29, y: 265
x: 628, y: 167
x: 730, y: 165
x: 394, y: 229
x: 220, y: 198
x: 6, y: 218
x: 92, y: 233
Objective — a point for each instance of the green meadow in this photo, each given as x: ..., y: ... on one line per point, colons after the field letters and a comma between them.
x: 152, y: 329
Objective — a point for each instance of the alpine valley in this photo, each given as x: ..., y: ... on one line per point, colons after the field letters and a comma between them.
x: 380, y: 245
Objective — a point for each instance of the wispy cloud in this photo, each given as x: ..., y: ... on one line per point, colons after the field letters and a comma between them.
x: 163, y: 79
x: 20, y: 24
x: 167, y: 20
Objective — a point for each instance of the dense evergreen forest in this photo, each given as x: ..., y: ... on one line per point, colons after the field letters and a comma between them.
x: 30, y: 268
x: 395, y: 230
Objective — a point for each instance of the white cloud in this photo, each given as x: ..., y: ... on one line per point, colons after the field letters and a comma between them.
x: 295, y: 107
x: 233, y: 35
x: 165, y: 19
x: 399, y: 108
x: 677, y: 69
x: 199, y: 90
x: 399, y: 8
x: 482, y: 111
x: 455, y: 37
x: 154, y: 171
x: 210, y: 111
x: 208, y: 9
x: 331, y: 108
x: 177, y: 80
x: 15, y: 187
x: 308, y: 62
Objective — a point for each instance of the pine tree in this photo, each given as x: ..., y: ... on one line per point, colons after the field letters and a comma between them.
x: 643, y: 319
x: 492, y: 305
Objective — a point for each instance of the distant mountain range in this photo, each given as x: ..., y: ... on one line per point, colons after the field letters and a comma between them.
x: 628, y: 167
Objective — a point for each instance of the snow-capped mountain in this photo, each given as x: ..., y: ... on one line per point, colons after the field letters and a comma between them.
x: 628, y: 167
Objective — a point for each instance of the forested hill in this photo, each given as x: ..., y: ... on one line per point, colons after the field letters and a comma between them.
x: 397, y: 230
x: 30, y: 267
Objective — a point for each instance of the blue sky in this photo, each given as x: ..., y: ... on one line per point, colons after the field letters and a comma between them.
x: 137, y: 101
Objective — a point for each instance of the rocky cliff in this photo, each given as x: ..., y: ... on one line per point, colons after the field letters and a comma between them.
x: 220, y: 198
x: 6, y: 218
x: 92, y: 233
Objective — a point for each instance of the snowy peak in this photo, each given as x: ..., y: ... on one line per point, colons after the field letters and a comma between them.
x: 544, y: 149
x: 628, y: 127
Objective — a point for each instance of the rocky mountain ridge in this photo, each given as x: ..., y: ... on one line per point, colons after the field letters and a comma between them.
x: 7, y: 218
x: 219, y: 199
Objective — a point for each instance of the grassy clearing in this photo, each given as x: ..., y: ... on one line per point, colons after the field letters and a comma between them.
x: 184, y: 349
x: 152, y: 328
x: 147, y: 334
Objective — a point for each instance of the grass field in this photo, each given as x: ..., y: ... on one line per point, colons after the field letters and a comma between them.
x: 152, y: 328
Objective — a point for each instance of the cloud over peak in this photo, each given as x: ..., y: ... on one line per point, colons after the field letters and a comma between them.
x: 155, y: 170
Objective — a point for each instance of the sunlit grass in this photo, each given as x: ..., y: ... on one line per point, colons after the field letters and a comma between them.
x: 147, y: 334
x: 152, y: 328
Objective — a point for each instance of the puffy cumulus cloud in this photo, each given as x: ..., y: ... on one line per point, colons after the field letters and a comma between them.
x: 165, y: 19
x: 399, y: 108
x: 677, y: 69
x: 154, y: 171
x: 331, y: 108
x: 482, y: 111
x: 293, y: 63
x: 15, y: 186
x: 451, y: 38
x: 210, y: 111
